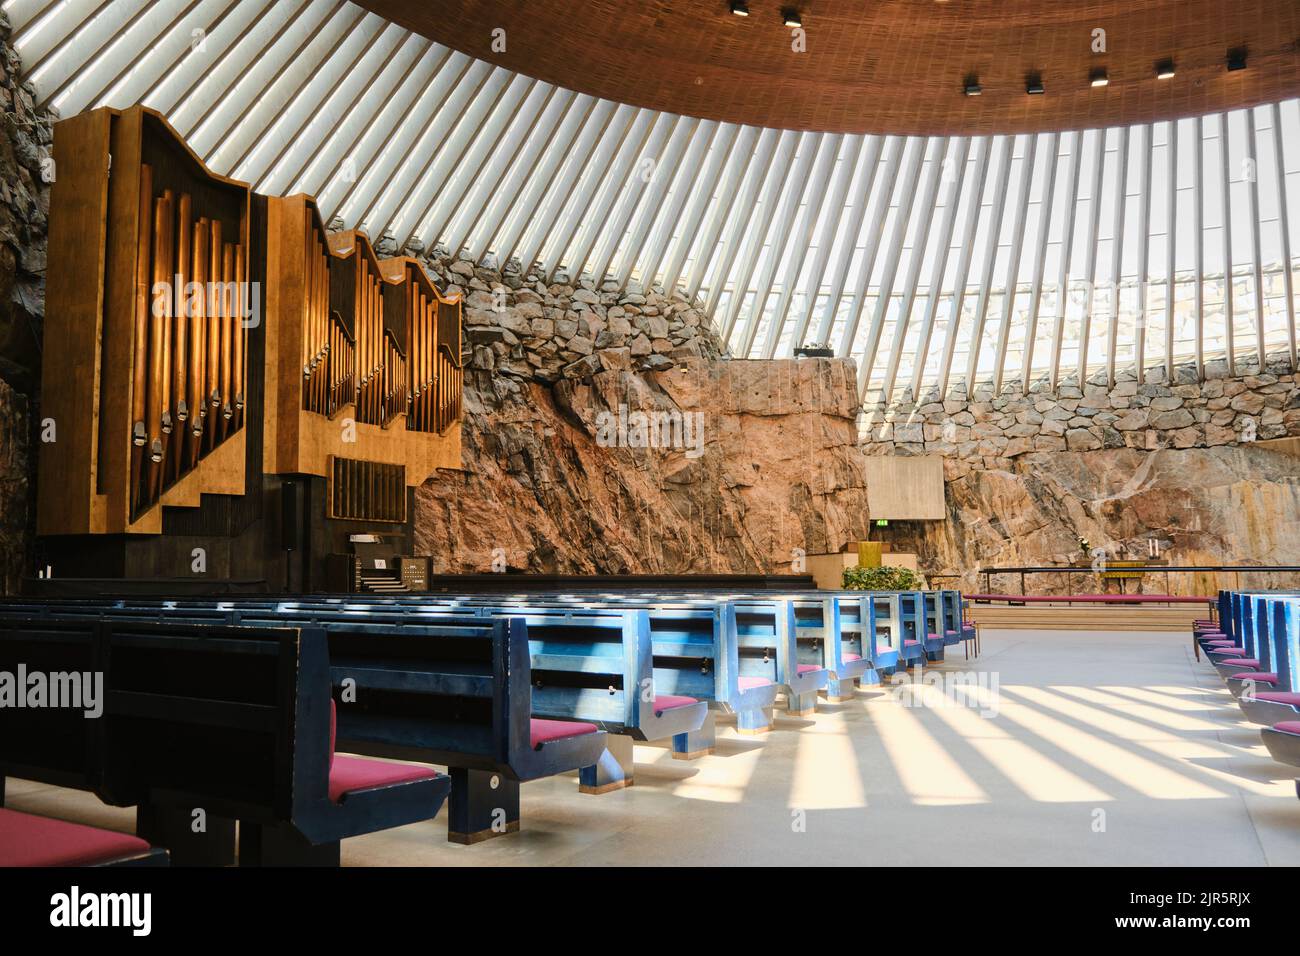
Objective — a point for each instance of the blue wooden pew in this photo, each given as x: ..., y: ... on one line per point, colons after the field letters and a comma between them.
x: 838, y: 632
x: 696, y: 654
x: 766, y: 640
x: 895, y: 619
x: 591, y: 666
x: 1278, y: 623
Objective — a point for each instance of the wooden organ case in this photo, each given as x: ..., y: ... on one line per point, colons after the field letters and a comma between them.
x: 233, y: 394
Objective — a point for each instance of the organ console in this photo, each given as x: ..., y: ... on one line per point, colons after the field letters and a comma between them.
x: 206, y: 344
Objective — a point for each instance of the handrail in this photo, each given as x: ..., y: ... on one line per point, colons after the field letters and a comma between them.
x: 1131, y: 570
x: 1089, y: 598
x: 1087, y: 569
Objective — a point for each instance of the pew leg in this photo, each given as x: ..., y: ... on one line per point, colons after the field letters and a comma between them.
x: 934, y: 656
x: 173, y: 828
x: 756, y: 721
x: 869, y: 678
x: 801, y: 705
x: 278, y: 845
x: 696, y: 743
x: 838, y: 691
x: 613, y: 771
x: 483, y: 805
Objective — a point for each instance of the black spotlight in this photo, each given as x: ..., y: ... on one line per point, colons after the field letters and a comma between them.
x: 1236, y: 59
x: 790, y: 16
x: 740, y: 8
x: 1034, y: 84
x: 971, y: 86
x: 1165, y: 70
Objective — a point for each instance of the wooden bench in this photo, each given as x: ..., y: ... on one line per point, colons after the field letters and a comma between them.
x: 838, y: 632
x: 895, y: 618
x: 694, y: 649
x: 1277, y: 620
x: 592, y: 666
x: 232, y: 722
x: 456, y: 693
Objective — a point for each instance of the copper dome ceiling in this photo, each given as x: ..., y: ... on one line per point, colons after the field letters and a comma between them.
x: 885, y: 66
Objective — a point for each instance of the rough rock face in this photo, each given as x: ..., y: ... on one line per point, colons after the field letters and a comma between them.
x: 25, y: 138
x: 760, y: 459
x: 17, y: 503
x: 1221, y: 505
x: 1194, y: 465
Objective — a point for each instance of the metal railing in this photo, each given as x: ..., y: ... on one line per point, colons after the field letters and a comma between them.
x: 1139, y: 572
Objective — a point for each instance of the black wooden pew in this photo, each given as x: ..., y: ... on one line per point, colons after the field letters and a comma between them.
x: 206, y: 725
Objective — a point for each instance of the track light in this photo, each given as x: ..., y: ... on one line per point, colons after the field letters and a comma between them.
x: 971, y: 86
x: 1099, y: 77
x: 1236, y: 59
x: 1034, y: 84
x: 740, y: 8
x: 791, y: 17
x: 1165, y: 70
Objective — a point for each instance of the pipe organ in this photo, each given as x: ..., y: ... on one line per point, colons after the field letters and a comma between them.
x: 205, y: 346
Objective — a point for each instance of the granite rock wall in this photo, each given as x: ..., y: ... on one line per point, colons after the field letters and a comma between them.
x: 25, y: 139
x: 1208, y: 469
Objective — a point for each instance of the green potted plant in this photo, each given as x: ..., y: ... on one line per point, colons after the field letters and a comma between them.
x: 882, y: 579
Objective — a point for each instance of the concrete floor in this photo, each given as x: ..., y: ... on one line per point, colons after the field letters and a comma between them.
x: 1066, y: 748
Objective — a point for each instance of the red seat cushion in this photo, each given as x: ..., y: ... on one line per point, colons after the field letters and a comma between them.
x: 805, y: 668
x: 1289, y: 727
x: 1259, y: 677
x: 749, y: 683
x: 1242, y: 662
x: 1279, y: 697
x: 672, y: 701
x: 852, y: 657
x: 544, y: 731
x: 910, y: 643
x: 349, y: 774
x: 27, y: 840
x: 949, y: 632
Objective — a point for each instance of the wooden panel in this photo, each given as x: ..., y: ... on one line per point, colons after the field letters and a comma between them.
x: 905, y: 487
x: 116, y: 373
x: 886, y: 66
x: 372, y: 296
x: 70, y: 361
x: 1092, y: 618
x: 366, y: 491
x: 130, y: 375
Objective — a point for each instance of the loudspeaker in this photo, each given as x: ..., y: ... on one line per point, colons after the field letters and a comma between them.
x: 291, y: 512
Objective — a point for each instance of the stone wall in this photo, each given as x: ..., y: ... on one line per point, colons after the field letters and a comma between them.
x: 991, y: 430
x: 528, y: 329
x: 25, y: 138
x: 1209, y: 469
